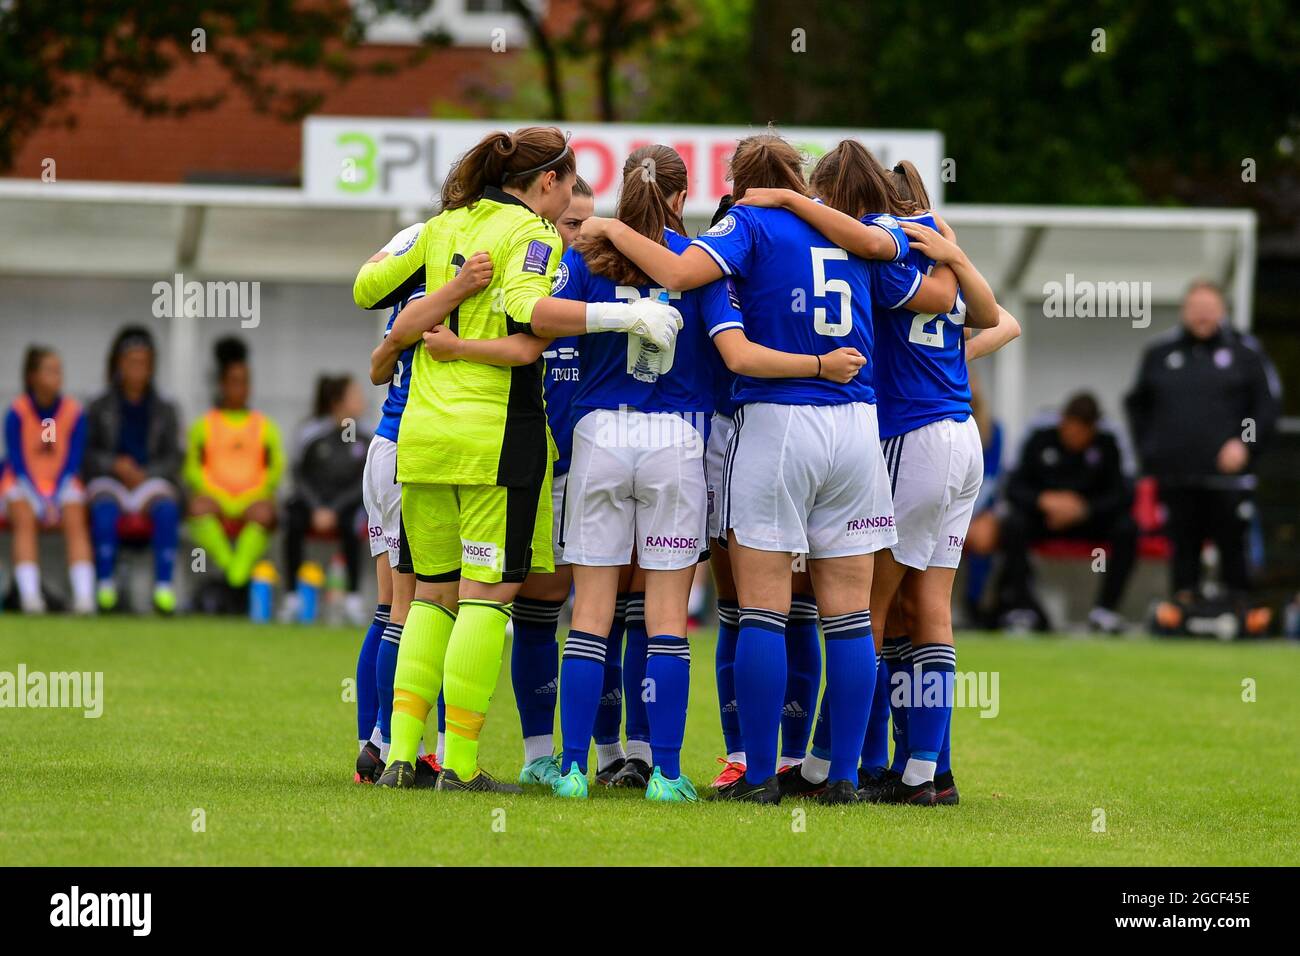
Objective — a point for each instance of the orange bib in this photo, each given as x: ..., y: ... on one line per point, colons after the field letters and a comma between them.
x: 46, y: 446
x: 234, y: 457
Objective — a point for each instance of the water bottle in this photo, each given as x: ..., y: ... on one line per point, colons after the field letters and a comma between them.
x: 649, y: 356
x: 311, y: 579
x: 261, y: 592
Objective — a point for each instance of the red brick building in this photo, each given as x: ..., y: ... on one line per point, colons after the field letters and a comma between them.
x: 236, y: 143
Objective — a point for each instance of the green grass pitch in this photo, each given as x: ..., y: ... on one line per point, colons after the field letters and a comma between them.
x: 248, y: 725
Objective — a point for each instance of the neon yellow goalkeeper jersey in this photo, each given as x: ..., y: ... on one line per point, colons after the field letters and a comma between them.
x: 466, y: 423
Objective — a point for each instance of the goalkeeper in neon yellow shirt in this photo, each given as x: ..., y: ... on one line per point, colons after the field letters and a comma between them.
x: 232, y: 466
x: 474, y: 452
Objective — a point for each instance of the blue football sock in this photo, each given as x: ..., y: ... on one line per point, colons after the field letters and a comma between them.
x: 609, y: 715
x: 582, y: 672
x: 898, y: 663
x: 104, y: 513
x: 875, y: 751
x: 668, y: 668
x: 724, y: 665
x: 535, y: 669
x: 636, y: 722
x: 165, y: 516
x: 934, y: 671
x: 760, y: 688
x: 821, y: 740
x: 367, y: 689
x: 944, y: 763
x: 803, y: 655
x: 385, y: 668
x: 850, y: 682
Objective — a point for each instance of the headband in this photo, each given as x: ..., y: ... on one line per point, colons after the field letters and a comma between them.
x: 564, y: 151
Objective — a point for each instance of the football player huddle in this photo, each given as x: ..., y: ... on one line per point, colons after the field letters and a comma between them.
x: 592, y: 407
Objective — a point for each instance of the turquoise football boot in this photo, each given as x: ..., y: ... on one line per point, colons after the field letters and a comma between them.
x: 544, y: 771
x: 573, y: 784
x: 661, y: 788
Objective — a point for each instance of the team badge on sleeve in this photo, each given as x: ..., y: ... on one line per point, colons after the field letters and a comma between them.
x: 724, y: 226
x: 537, y: 257
x: 401, y: 243
x: 561, y: 278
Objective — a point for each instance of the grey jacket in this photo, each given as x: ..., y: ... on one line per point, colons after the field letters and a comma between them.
x: 103, y: 423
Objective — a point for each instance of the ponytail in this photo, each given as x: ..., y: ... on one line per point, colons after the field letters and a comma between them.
x: 849, y: 178
x: 501, y: 159
x: 651, y: 176
x: 910, y: 187
x: 766, y: 161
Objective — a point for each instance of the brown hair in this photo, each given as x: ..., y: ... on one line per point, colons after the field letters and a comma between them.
x: 910, y: 187
x: 766, y: 160
x: 849, y: 178
x: 582, y: 188
x: 1083, y: 408
x: 330, y: 390
x: 501, y: 159
x: 32, y: 359
x: 651, y: 176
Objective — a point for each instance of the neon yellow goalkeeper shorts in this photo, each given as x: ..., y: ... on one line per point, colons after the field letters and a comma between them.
x: 486, y: 533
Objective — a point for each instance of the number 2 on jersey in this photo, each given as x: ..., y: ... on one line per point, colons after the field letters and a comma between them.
x: 934, y: 340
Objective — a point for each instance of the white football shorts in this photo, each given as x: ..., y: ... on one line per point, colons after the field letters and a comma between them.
x: 715, y: 454
x: 808, y: 479
x: 936, y: 472
x: 636, y: 479
x: 382, y: 497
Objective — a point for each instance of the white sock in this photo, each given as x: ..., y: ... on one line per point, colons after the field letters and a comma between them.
x: 82, y: 574
x: 736, y: 757
x: 639, y: 750
x: 28, y: 577
x: 787, y: 762
x: 376, y: 737
x: 383, y: 751
x: 918, y: 771
x: 542, y: 745
x: 420, y: 751
x: 698, y: 596
x: 441, y: 752
x: 607, y: 754
x: 361, y: 745
x: 815, y: 769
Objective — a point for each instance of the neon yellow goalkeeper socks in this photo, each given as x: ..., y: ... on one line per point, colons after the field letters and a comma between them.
x: 472, y: 667
x: 418, y: 677
x: 248, y: 548
x: 207, y: 533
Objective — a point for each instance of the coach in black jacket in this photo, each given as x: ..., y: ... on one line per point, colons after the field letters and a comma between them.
x: 1069, y: 483
x: 1205, y: 403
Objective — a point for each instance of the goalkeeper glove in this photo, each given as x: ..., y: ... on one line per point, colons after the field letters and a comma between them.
x: 649, y: 319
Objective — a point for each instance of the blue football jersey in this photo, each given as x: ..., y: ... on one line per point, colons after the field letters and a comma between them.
x: 390, y: 415
x: 609, y: 378
x: 920, y: 360
x: 805, y: 295
x: 561, y: 384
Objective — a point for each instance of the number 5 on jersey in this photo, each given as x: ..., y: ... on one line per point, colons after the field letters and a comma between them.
x: 823, y: 322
